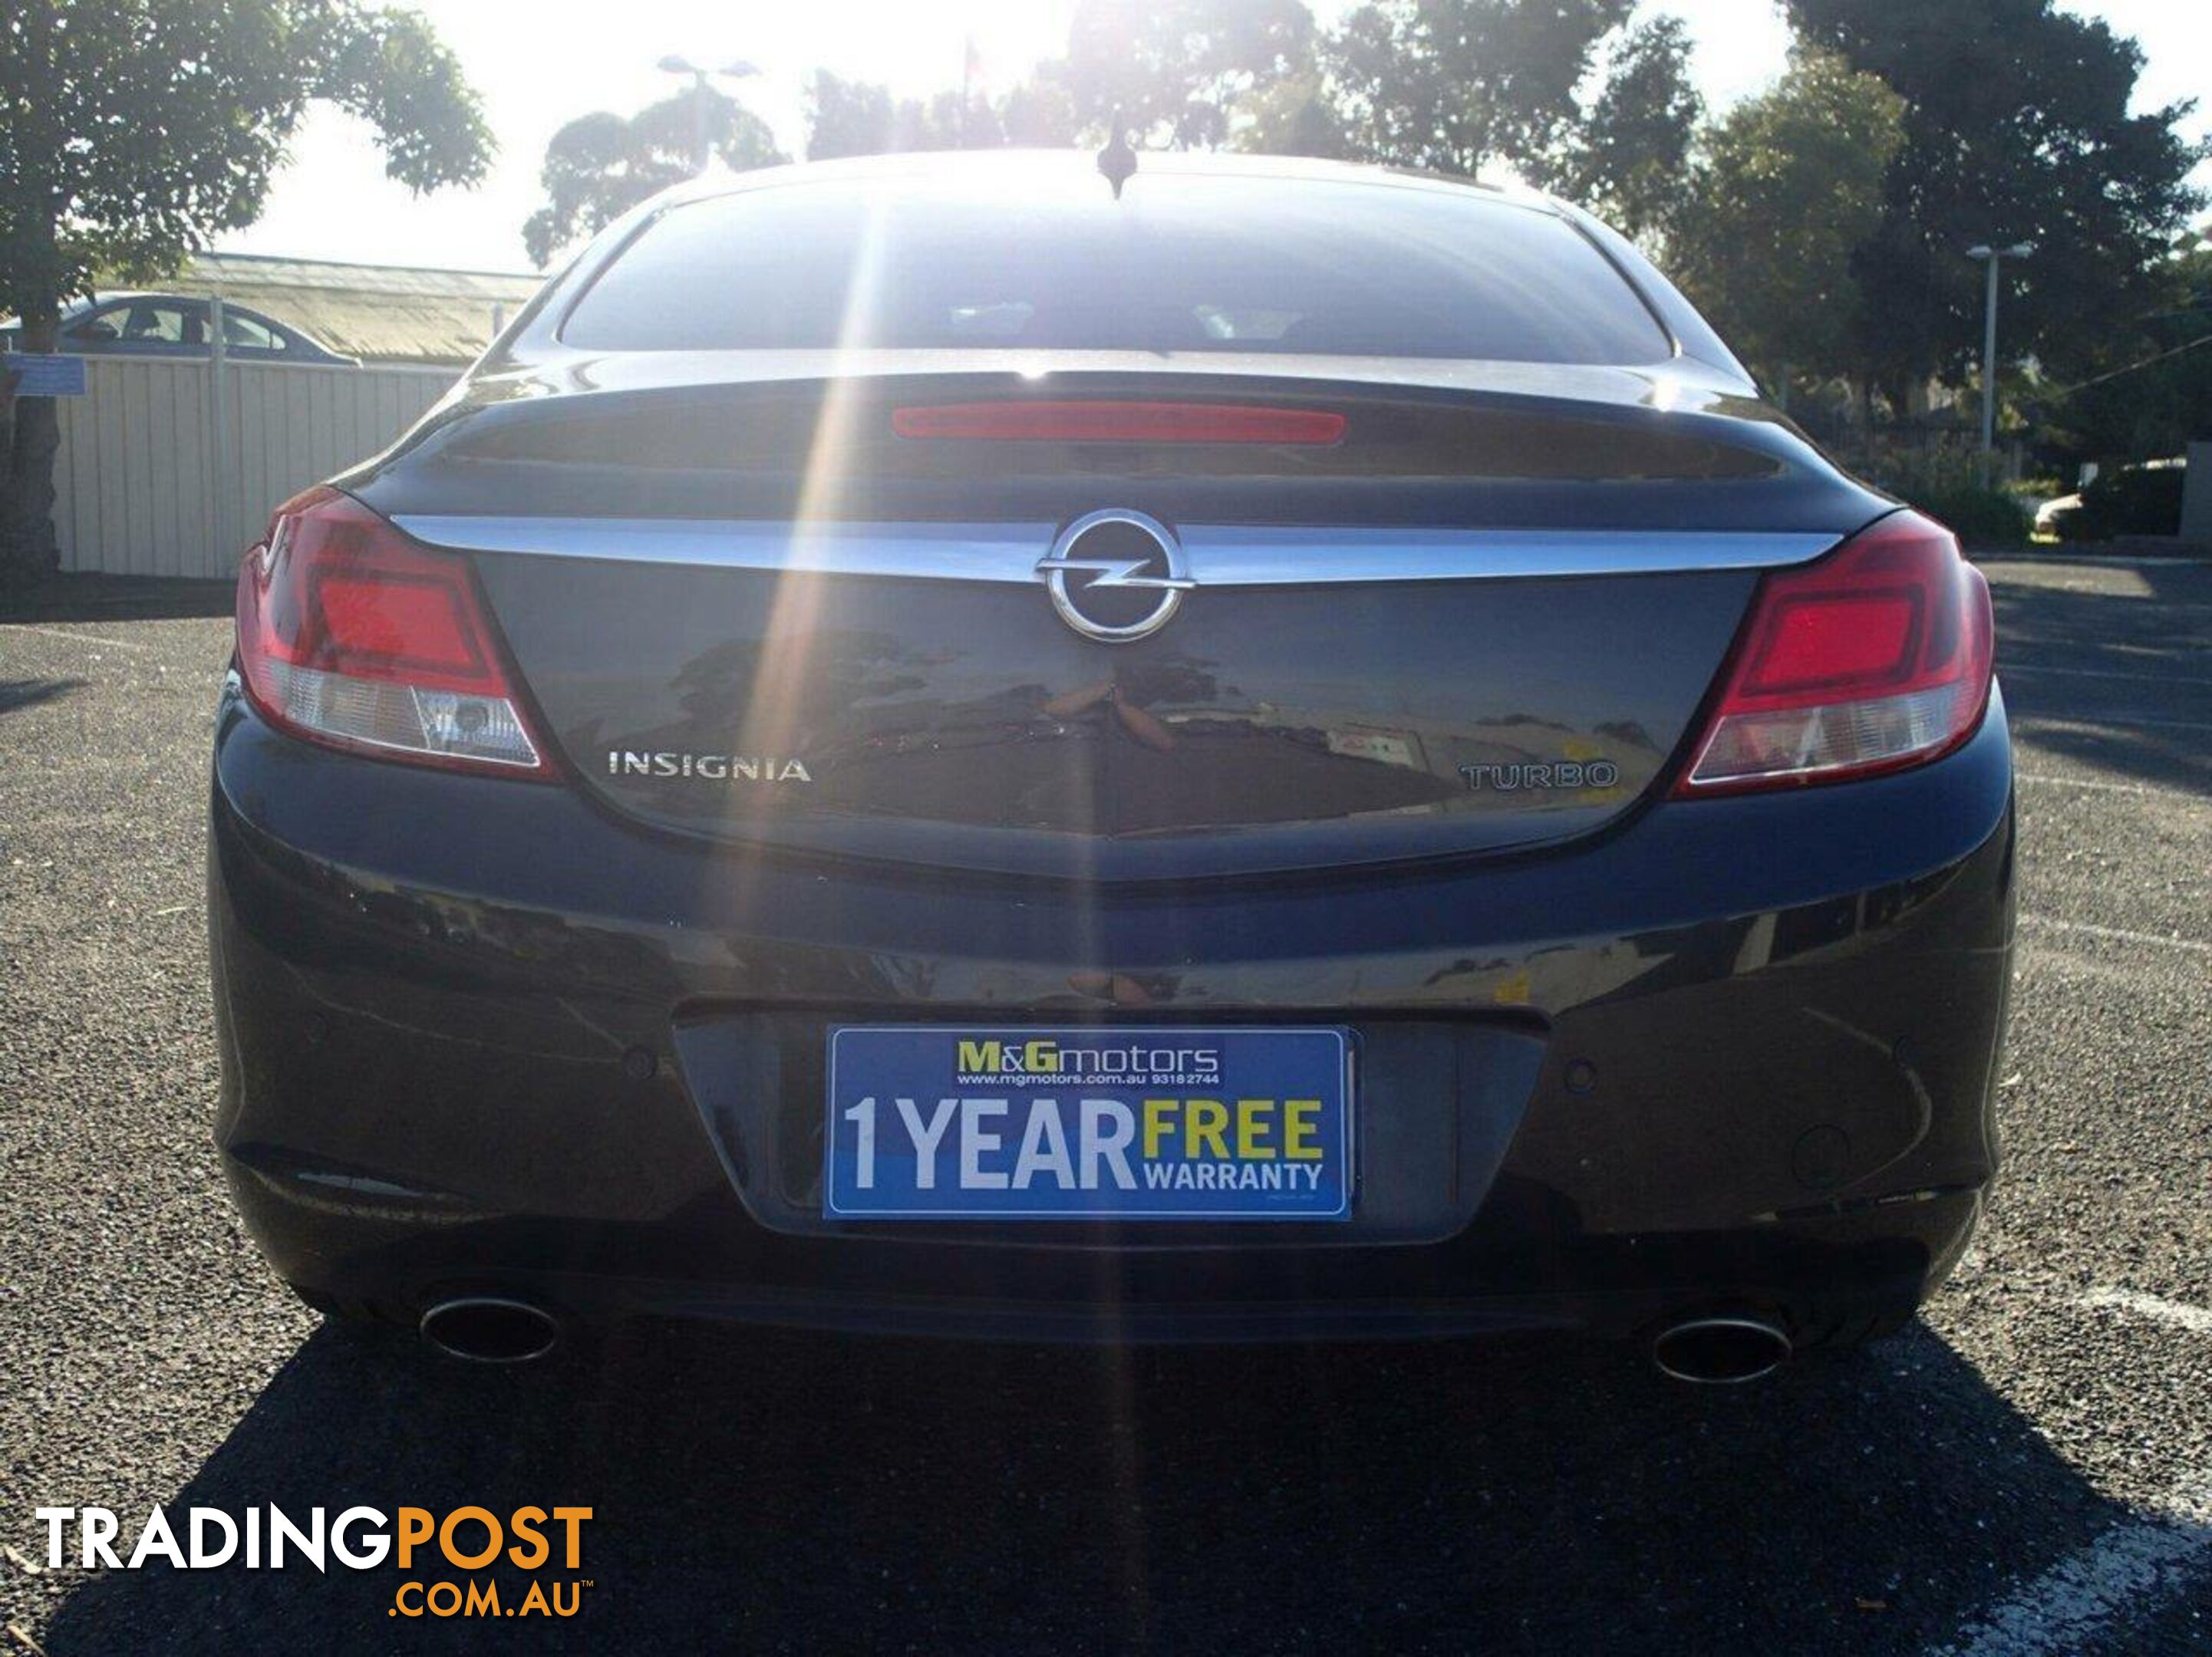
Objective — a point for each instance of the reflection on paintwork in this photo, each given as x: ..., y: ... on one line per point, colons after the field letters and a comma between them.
x: 1339, y: 722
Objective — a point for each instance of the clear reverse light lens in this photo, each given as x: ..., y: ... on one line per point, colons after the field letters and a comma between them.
x: 1796, y: 742
x: 352, y: 635
x: 1875, y: 657
x: 403, y: 718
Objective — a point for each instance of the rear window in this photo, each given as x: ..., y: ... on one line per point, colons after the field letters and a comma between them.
x: 1182, y: 262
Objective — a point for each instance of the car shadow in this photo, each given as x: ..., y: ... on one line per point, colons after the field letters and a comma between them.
x: 29, y: 693
x: 2110, y: 672
x: 781, y: 1492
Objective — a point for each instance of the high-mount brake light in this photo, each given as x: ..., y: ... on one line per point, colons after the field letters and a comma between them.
x: 1100, y: 421
x: 351, y: 634
x: 1875, y: 657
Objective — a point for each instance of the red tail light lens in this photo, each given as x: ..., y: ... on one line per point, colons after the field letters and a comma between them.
x: 1117, y: 423
x: 1876, y: 657
x: 351, y: 634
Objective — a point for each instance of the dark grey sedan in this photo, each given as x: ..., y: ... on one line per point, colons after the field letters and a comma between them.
x: 1258, y: 751
x: 176, y: 325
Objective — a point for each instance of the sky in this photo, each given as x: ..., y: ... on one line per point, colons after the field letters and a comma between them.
x: 538, y: 64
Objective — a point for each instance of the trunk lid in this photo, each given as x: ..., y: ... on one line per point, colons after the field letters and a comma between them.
x: 1483, y: 619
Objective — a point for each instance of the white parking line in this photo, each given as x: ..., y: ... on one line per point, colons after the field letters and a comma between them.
x: 2131, y: 1566
x: 2195, y: 1319
x: 2115, y: 934
x: 2011, y: 668
x: 79, y: 638
x: 2136, y: 1565
x: 2110, y: 787
x: 2091, y: 722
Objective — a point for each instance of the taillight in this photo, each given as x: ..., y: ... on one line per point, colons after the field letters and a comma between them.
x: 350, y: 633
x: 1874, y: 658
x: 1101, y: 422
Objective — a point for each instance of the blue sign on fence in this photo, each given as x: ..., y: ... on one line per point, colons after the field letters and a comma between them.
x: 38, y: 374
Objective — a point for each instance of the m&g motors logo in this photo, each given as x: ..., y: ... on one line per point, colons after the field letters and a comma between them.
x: 465, y: 1538
x: 984, y: 1059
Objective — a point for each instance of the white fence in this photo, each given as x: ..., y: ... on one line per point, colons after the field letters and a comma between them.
x: 163, y: 473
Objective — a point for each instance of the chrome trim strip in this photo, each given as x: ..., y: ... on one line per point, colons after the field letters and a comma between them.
x: 1217, y: 555
x: 956, y: 552
x: 1237, y: 555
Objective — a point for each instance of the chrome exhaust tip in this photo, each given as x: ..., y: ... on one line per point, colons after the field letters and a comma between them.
x: 1720, y: 1350
x: 490, y: 1329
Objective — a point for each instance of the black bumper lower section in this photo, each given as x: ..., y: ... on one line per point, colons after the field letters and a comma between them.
x: 1818, y: 1277
x: 478, y: 1037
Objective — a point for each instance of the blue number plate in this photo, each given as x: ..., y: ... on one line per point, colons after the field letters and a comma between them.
x: 975, y: 1122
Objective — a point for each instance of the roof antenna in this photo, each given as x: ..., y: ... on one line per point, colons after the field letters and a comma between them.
x: 1117, y: 160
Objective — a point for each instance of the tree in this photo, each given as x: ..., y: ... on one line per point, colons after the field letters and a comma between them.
x: 1174, y: 70
x: 860, y: 117
x: 2156, y: 395
x: 1786, y: 185
x: 1297, y: 115
x: 133, y: 130
x: 1039, y: 114
x: 2016, y: 129
x: 600, y: 166
x: 847, y: 118
x: 1453, y: 85
x: 1628, y: 160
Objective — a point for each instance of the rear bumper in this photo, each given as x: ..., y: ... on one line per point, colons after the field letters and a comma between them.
x: 477, y: 1034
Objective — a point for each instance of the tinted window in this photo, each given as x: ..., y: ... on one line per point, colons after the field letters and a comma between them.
x: 241, y: 332
x: 163, y: 322
x: 1182, y: 262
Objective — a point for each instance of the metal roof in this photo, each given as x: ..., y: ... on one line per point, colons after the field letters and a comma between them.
x: 378, y: 313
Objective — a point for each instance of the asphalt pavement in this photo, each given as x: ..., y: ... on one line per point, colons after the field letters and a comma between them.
x: 2028, y: 1469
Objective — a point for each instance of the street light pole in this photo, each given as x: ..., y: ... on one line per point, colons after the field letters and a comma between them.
x: 702, y: 149
x: 1992, y: 257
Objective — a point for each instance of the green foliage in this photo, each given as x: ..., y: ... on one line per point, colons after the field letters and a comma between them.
x: 1179, y: 73
x: 133, y: 131
x: 2156, y: 394
x: 1445, y: 83
x: 1175, y: 70
x: 600, y: 166
x: 1295, y: 116
x: 1789, y: 185
x: 1453, y: 85
x: 2017, y: 128
x: 860, y: 117
x: 2133, y: 500
x: 1947, y: 486
x: 1979, y: 516
x: 389, y: 68
x: 1037, y: 115
x: 1628, y: 159
x: 854, y: 118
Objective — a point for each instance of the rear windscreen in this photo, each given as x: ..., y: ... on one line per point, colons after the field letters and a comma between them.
x: 1182, y: 262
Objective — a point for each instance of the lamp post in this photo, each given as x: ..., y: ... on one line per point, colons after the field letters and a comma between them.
x: 1992, y: 257
x: 737, y: 70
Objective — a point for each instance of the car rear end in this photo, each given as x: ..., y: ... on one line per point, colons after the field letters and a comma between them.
x: 924, y: 747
